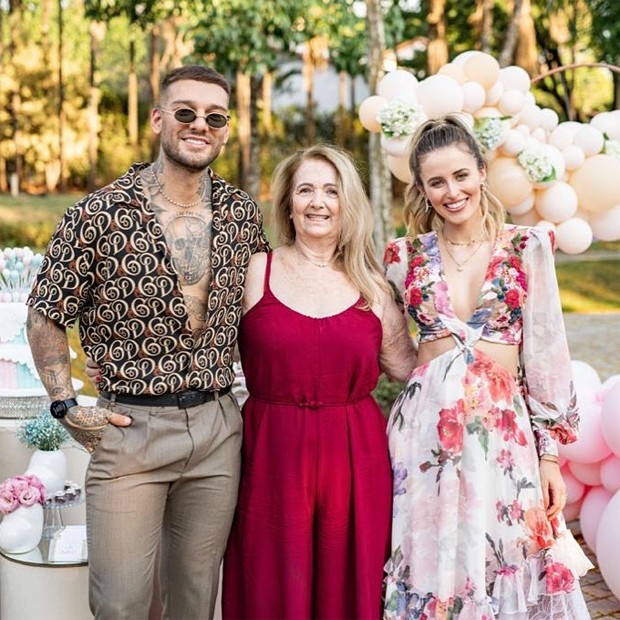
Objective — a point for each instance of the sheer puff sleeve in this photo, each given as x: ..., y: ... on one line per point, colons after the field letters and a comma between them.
x: 395, y: 261
x: 545, y: 358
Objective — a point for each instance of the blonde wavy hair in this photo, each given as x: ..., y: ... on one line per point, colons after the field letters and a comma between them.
x: 355, y: 253
x: 437, y: 134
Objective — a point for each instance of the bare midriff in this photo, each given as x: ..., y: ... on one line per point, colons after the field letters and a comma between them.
x: 506, y: 355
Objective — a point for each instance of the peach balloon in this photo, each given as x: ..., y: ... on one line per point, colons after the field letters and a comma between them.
x: 587, y: 473
x: 610, y: 473
x: 557, y: 203
x: 494, y: 94
x: 473, y: 96
x: 397, y: 147
x: 614, y: 128
x: 597, y: 184
x: 515, y: 77
x: 460, y: 59
x: 399, y: 167
x: 589, y: 139
x: 508, y: 182
x: 369, y: 108
x: 545, y: 225
x: 454, y: 71
x: 574, y: 488
x: 606, y: 226
x: 592, y: 508
x: 573, y: 156
x: 603, y: 121
x: 590, y: 446
x: 398, y: 83
x: 530, y: 218
x: 514, y: 143
x: 539, y: 134
x: 564, y: 133
x: 573, y: 236
x: 608, y: 545
x: 440, y: 95
x: 610, y: 418
x: 523, y: 207
x: 481, y: 68
x: 511, y: 102
x: 530, y: 116
x: 548, y: 119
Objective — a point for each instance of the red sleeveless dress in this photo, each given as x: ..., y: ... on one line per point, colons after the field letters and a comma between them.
x: 311, y: 533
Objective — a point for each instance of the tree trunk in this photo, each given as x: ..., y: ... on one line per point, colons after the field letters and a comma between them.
x: 132, y: 93
x: 380, y: 179
x: 308, y: 78
x: 253, y: 186
x: 62, y: 180
x: 341, y: 112
x: 437, y: 51
x: 95, y: 31
x: 154, y: 72
x: 267, y: 97
x: 244, y: 96
x: 511, y: 37
x: 527, y: 50
x: 14, y: 162
x: 616, y: 105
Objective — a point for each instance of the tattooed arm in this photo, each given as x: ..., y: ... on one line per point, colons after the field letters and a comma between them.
x: 50, y: 351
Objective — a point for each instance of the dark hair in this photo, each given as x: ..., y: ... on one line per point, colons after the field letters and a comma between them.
x: 197, y: 73
x: 432, y: 135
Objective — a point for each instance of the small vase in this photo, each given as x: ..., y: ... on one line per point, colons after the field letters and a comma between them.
x: 20, y: 530
x: 50, y: 466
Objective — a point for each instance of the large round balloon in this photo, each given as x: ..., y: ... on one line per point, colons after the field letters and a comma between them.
x: 590, y: 446
x: 592, y: 508
x: 606, y: 225
x: 610, y: 418
x: 608, y: 545
x: 586, y: 473
x: 594, y: 183
x: 369, y: 108
x: 573, y: 236
x: 481, y: 68
x: 398, y: 83
x: 508, y: 182
x: 440, y: 95
x: 399, y: 167
x: 557, y: 203
x: 610, y: 473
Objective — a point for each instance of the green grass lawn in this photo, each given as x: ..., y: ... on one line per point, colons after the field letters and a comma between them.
x: 589, y: 286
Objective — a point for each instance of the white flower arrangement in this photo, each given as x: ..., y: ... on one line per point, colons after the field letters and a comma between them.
x: 399, y: 118
x: 490, y: 130
x: 537, y: 164
x: 612, y: 147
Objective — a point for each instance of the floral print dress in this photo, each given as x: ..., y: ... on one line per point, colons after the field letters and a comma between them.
x: 470, y: 536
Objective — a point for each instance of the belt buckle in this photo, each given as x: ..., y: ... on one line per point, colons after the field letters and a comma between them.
x: 189, y: 399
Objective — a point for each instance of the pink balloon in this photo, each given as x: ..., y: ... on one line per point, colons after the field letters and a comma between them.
x: 608, y: 384
x: 610, y: 473
x: 610, y: 418
x: 583, y: 372
x: 571, y: 511
x: 574, y: 488
x: 590, y: 447
x: 586, y: 473
x: 592, y: 508
x: 608, y: 545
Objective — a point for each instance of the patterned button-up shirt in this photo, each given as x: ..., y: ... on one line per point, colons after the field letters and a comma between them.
x: 108, y: 266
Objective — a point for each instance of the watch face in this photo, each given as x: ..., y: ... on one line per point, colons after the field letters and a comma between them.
x: 58, y: 409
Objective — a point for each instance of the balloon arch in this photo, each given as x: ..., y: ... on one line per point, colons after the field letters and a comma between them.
x: 562, y: 176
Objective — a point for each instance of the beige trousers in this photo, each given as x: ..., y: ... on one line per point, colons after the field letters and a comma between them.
x: 171, y: 478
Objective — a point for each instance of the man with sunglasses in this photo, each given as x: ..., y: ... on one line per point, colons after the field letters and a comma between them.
x: 153, y: 267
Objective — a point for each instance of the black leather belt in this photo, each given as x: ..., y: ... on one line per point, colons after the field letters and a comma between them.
x: 181, y: 400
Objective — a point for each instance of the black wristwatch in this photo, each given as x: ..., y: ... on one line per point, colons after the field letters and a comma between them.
x: 59, y: 408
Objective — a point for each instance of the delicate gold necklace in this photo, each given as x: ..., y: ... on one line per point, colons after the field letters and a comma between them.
x: 461, y: 264
x: 320, y: 265
x: 174, y: 202
x: 448, y: 240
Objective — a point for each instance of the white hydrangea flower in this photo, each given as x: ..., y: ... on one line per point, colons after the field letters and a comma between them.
x: 489, y: 130
x: 537, y: 164
x: 399, y: 118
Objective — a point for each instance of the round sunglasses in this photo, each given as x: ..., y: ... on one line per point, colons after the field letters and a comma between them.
x: 187, y: 116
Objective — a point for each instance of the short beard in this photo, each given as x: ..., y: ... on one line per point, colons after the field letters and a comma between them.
x: 182, y: 162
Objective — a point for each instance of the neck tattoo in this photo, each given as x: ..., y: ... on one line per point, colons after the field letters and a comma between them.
x: 320, y: 265
x: 174, y: 202
x: 461, y: 264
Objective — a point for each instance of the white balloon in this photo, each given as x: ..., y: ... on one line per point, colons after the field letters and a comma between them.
x: 614, y: 128
x: 494, y: 93
x: 397, y: 147
x: 573, y: 156
x: 473, y: 96
x: 589, y: 139
x: 539, y: 134
x: 524, y: 129
x: 557, y: 203
x: 574, y: 236
x: 399, y: 167
x: 523, y: 207
x: 440, y: 95
x: 398, y: 83
x: 515, y: 77
x: 603, y: 121
x: 511, y: 102
x: 514, y: 143
x: 460, y: 59
x: 548, y: 119
x: 585, y: 373
x: 564, y: 133
x: 545, y: 225
x: 583, y: 215
x: 606, y: 225
x: 530, y: 116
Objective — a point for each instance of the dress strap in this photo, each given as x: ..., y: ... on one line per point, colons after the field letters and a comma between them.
x: 266, y: 287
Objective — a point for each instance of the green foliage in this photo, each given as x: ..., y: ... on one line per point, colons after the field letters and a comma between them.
x: 386, y: 392
x: 589, y: 286
x: 42, y: 432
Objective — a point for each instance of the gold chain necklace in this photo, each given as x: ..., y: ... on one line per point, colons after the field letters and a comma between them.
x: 174, y: 202
x: 320, y: 265
x: 448, y: 240
x: 461, y: 264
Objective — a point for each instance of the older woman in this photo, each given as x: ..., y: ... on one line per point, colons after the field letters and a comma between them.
x: 312, y: 528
